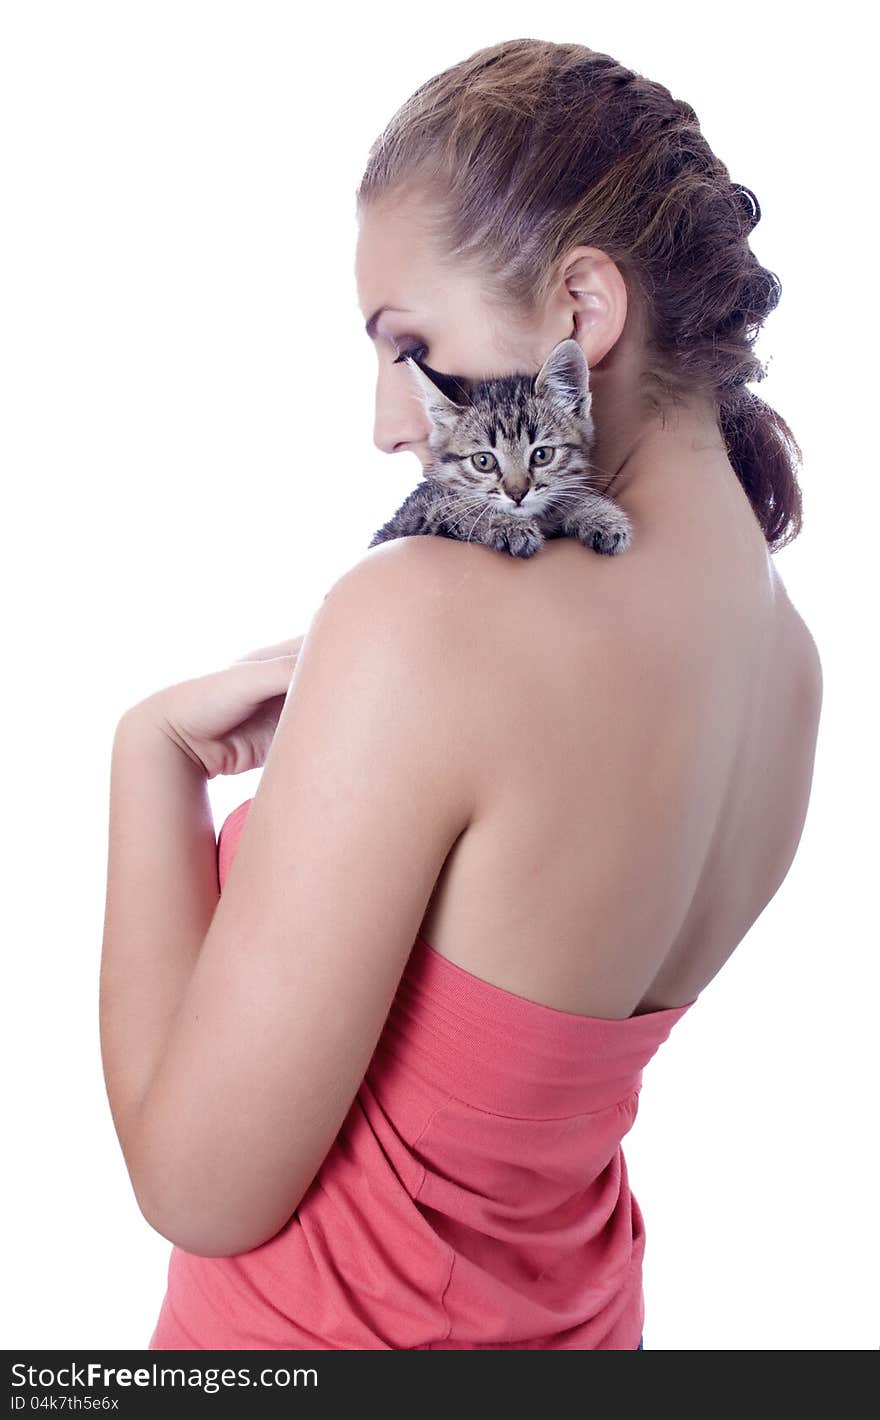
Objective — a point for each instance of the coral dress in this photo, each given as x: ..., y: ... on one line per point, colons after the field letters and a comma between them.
x: 476, y: 1195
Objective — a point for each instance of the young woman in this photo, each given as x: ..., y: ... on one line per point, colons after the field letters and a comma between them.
x: 517, y: 813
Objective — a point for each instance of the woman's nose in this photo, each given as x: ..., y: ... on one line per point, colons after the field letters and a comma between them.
x: 401, y: 420
x: 395, y: 437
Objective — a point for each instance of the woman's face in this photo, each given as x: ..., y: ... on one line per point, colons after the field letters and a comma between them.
x: 414, y: 304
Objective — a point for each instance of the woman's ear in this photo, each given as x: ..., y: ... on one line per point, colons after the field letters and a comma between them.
x: 593, y: 291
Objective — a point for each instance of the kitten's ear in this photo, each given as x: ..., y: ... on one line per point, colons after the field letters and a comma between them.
x: 442, y: 409
x: 565, y: 376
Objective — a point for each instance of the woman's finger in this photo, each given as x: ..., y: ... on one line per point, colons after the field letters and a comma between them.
x: 280, y: 648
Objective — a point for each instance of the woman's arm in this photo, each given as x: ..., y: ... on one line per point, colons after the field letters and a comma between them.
x: 238, y: 1029
x: 162, y: 890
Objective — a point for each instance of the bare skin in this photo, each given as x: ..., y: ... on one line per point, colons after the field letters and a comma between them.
x: 651, y: 719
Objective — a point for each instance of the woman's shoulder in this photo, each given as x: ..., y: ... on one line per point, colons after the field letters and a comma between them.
x: 508, y: 616
x: 427, y: 562
x: 801, y: 637
x: 462, y: 575
x: 494, y: 609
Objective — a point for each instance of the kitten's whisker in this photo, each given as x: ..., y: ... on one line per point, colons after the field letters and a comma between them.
x: 464, y: 512
x: 462, y: 503
x: 476, y: 520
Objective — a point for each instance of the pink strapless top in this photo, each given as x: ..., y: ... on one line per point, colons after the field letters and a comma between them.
x: 476, y: 1195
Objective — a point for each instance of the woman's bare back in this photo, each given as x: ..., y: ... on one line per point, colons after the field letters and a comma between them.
x: 647, y: 727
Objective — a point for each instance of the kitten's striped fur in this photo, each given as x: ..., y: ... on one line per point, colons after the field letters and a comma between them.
x: 493, y: 478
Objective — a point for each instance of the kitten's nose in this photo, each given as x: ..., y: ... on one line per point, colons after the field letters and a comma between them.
x: 517, y: 494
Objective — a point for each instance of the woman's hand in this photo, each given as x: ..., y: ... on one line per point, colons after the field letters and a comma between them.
x: 225, y: 721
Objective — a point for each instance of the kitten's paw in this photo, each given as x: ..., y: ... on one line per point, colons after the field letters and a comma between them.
x: 610, y: 542
x: 519, y: 540
x: 609, y: 532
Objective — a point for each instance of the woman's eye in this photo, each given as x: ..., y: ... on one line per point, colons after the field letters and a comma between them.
x: 415, y: 350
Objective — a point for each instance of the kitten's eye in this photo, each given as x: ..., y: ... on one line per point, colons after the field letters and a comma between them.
x: 544, y: 455
x: 484, y: 467
x: 419, y: 350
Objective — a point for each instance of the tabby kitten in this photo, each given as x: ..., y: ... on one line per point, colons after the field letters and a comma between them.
x: 511, y: 463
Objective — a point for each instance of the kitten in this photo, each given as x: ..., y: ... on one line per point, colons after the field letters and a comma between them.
x: 511, y: 461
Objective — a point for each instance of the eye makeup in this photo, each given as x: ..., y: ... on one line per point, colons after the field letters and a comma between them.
x: 414, y: 351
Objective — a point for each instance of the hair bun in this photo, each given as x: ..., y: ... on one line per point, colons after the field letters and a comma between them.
x: 749, y: 204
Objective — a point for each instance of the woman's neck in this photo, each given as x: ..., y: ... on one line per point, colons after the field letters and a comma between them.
x: 631, y: 451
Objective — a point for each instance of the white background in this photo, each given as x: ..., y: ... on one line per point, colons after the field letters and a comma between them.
x: 187, y: 465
